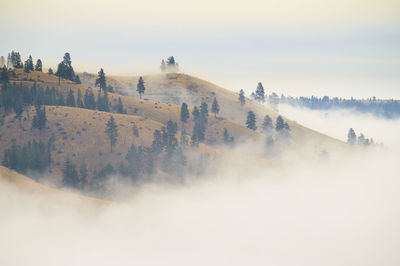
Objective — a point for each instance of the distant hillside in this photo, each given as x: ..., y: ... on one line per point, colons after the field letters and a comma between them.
x: 176, y: 88
x: 79, y: 133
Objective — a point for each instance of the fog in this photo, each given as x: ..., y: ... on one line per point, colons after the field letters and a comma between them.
x: 300, y: 211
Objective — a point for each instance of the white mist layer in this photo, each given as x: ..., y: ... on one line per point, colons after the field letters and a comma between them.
x: 336, y: 123
x: 342, y: 211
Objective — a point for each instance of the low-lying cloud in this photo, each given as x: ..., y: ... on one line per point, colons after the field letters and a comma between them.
x: 340, y: 211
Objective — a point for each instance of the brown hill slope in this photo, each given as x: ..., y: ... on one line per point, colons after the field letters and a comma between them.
x: 16, y: 182
x: 177, y: 88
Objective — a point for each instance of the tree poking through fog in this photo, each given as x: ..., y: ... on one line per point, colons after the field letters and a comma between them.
x: 242, y: 98
x: 251, y: 121
x: 112, y: 132
x: 351, y: 137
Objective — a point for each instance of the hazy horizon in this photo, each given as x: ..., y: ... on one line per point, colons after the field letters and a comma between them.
x: 335, y: 48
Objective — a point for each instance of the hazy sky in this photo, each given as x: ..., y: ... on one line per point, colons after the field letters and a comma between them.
x: 338, y: 48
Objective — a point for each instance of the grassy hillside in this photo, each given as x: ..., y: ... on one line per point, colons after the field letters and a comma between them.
x: 79, y: 133
x: 177, y: 88
x: 26, y: 185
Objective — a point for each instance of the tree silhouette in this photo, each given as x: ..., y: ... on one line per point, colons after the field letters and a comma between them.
x: 112, y: 132
x: 140, y: 87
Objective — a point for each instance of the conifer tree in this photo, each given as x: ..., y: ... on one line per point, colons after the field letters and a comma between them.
x: 70, y: 175
x: 140, y: 87
x: 39, y: 120
x: 228, y: 140
x: 77, y: 80
x: 38, y: 66
x: 112, y: 132
x: 70, y: 99
x: 351, y: 137
x: 267, y: 125
x: 83, y: 174
x: 280, y: 124
x: 65, y: 69
x: 28, y: 67
x: 50, y: 71
x: 79, y: 102
x: 242, y: 99
x: 89, y: 100
x: 101, y: 81
x: 204, y: 112
x: 215, y: 107
x: 260, y: 93
x: 251, y: 120
x: 120, y: 107
x: 184, y: 114
x: 163, y: 66
x: 4, y: 76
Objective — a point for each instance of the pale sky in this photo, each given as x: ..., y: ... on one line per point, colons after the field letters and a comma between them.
x: 309, y: 47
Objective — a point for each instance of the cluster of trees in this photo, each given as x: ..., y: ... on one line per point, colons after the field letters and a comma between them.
x: 71, y: 177
x: 281, y: 127
x: 382, y: 108
x: 66, y: 71
x: 200, y: 118
x: 170, y: 66
x: 34, y: 156
x: 259, y: 94
x: 361, y: 140
x: 164, y: 154
x: 14, y: 61
x: 16, y: 97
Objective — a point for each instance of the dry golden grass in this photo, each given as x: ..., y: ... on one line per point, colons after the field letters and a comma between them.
x: 27, y: 186
x: 178, y: 88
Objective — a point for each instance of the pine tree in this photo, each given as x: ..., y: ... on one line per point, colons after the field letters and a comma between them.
x: 70, y: 99
x: 39, y: 120
x: 89, y: 101
x: 101, y: 81
x: 28, y: 67
x: 70, y: 175
x: 215, y: 107
x: 200, y: 121
x: 79, y: 102
x: 4, y: 76
x: 280, y: 124
x: 228, y: 140
x: 77, y: 80
x: 50, y: 71
x: 103, y: 103
x: 172, y: 65
x: 184, y: 113
x: 267, y: 125
x: 251, y: 120
x: 83, y: 174
x: 120, y: 107
x: 242, y: 99
x: 163, y: 66
x: 260, y: 93
x: 38, y: 66
x: 204, y: 112
x: 351, y: 137
x: 112, y: 132
x: 140, y: 87
x: 65, y: 69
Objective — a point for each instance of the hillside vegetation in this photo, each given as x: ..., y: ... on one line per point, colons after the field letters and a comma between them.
x: 78, y: 135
